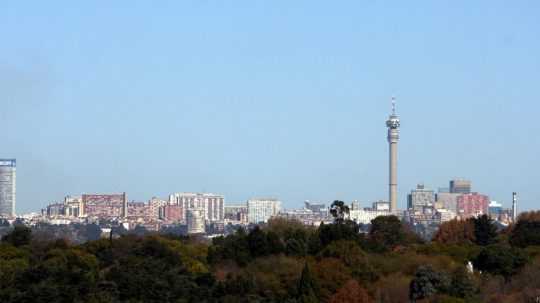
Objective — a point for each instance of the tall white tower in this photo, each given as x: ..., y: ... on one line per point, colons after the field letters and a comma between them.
x: 393, y: 137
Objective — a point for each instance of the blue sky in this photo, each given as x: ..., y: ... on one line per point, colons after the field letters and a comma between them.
x: 269, y: 98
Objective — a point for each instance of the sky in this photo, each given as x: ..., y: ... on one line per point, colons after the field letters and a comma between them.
x: 285, y: 99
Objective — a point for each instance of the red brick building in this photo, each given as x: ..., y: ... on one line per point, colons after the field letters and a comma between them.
x: 472, y: 205
x: 105, y: 206
x: 173, y: 213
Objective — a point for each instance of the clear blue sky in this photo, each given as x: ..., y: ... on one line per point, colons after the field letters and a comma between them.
x: 269, y: 98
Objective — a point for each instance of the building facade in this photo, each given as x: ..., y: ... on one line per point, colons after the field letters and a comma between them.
x: 105, y: 206
x: 195, y: 221
x: 460, y: 186
x: 260, y: 210
x: 472, y: 205
x: 8, y: 187
x: 213, y: 205
x: 420, y: 198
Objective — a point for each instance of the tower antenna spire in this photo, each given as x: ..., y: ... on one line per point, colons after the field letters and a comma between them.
x: 393, y: 105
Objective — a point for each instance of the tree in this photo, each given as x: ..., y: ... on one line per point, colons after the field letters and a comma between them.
x: 485, y: 230
x: 20, y: 236
x: 258, y: 243
x: 339, y: 211
x: 351, y: 292
x: 462, y: 284
x: 350, y: 253
x: 526, y: 231
x: 306, y: 287
x: 456, y: 232
x: 426, y: 283
x: 386, y: 233
x: 345, y: 230
x: 500, y: 260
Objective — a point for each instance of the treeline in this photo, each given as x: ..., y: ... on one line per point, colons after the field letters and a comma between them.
x: 282, y: 261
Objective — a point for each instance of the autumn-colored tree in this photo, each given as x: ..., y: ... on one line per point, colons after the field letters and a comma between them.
x: 456, y: 232
x: 351, y: 292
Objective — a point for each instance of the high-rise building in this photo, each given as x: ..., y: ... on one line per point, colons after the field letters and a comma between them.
x: 460, y: 186
x: 212, y: 204
x: 447, y: 201
x: 8, y: 187
x: 260, y: 210
x: 420, y: 198
x: 195, y: 221
x: 393, y: 125
x: 472, y: 205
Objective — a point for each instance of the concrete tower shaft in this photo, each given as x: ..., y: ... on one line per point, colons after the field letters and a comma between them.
x: 393, y: 125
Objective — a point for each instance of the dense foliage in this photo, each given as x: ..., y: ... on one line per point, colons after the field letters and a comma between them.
x: 282, y: 261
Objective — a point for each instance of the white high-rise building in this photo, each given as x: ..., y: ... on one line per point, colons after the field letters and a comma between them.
x: 8, y: 187
x: 213, y: 205
x: 260, y: 210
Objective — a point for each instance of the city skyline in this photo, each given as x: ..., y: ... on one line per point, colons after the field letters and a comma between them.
x: 267, y: 100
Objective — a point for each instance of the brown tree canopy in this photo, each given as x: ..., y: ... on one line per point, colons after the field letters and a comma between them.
x: 455, y: 232
x: 351, y: 292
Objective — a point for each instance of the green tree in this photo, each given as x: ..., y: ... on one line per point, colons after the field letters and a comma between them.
x: 306, y: 287
x: 386, y: 233
x: 500, y: 260
x: 485, y: 230
x: 426, y: 283
x: 526, y: 231
x: 19, y: 236
x: 258, y: 243
x: 462, y: 284
x: 339, y: 210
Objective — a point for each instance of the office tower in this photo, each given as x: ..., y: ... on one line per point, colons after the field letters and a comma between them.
x: 105, y: 206
x: 460, y: 186
x: 8, y: 187
x: 447, y: 200
x: 355, y: 205
x: 393, y: 137
x: 514, y: 207
x: 420, y: 198
x: 212, y: 204
x: 260, y: 210
x: 472, y: 205
x: 195, y: 221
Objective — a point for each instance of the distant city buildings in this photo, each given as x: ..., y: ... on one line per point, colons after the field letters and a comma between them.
x: 260, y: 210
x: 212, y: 205
x: 421, y: 199
x: 8, y: 187
x: 236, y: 214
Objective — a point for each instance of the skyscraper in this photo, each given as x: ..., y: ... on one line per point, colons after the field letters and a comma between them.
x: 460, y: 186
x: 393, y: 137
x: 8, y: 176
